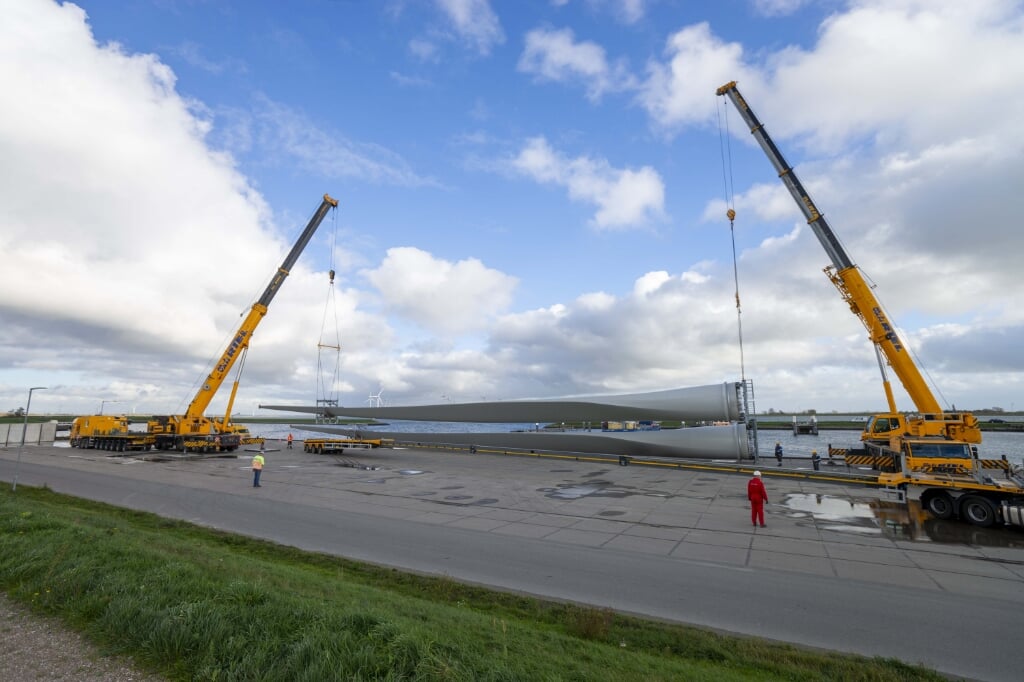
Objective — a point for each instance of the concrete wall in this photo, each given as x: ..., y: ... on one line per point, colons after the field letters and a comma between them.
x: 35, y: 434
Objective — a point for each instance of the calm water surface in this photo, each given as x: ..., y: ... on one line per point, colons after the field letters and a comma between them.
x: 993, y: 444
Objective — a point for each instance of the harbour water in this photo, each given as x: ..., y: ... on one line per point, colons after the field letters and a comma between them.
x: 994, y: 444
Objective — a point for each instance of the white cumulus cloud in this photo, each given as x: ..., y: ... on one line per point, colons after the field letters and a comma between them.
x: 444, y: 297
x: 678, y: 92
x: 555, y: 55
x: 625, y: 198
x: 475, y: 23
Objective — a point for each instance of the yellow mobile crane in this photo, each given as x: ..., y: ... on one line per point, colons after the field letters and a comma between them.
x: 930, y: 455
x: 194, y: 431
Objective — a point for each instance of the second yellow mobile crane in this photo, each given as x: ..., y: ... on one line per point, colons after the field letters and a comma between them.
x: 194, y: 430
x: 930, y: 455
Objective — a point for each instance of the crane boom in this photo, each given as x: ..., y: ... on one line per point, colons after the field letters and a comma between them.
x: 241, y: 339
x: 845, y: 275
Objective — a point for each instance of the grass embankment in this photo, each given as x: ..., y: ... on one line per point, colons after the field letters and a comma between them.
x: 194, y: 603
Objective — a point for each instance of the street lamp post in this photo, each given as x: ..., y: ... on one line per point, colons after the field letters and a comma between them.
x: 24, y: 430
x: 104, y: 402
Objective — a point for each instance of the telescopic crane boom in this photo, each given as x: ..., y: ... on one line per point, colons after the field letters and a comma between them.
x: 850, y: 282
x: 174, y: 431
x: 240, y: 342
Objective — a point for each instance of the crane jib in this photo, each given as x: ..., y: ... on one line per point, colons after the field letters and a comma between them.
x: 297, y: 249
x: 848, y: 277
x: 815, y: 219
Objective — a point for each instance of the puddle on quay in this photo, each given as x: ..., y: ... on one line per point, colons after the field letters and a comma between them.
x: 611, y: 513
x: 568, y: 491
x: 460, y: 501
x: 573, y: 491
x: 910, y: 522
x: 896, y: 521
x: 411, y: 472
x: 827, y: 507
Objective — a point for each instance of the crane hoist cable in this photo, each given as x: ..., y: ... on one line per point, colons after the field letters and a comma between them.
x: 727, y: 179
x: 330, y: 341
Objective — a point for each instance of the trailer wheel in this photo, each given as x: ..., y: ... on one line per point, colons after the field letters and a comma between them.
x: 940, y: 505
x: 978, y: 511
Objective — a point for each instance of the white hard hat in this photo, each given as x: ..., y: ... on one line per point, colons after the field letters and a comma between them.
x: 757, y: 473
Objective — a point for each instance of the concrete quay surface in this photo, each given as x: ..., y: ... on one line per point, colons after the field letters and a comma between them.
x: 835, y: 567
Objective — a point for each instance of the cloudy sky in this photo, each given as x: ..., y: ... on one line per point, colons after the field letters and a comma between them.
x: 532, y: 198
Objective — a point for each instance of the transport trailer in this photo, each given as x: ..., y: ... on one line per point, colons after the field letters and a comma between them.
x: 206, y: 443
x: 952, y: 482
x: 112, y: 433
x: 123, y: 442
x: 947, y: 478
x: 319, y: 446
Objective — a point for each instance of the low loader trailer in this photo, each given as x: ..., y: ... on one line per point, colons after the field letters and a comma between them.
x: 319, y: 446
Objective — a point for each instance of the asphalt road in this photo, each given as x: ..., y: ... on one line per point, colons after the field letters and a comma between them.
x: 954, y: 608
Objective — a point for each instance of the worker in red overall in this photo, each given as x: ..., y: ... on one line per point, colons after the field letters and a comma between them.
x: 757, y: 496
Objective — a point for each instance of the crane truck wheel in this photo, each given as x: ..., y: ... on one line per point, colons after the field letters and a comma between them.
x: 939, y: 504
x: 978, y: 511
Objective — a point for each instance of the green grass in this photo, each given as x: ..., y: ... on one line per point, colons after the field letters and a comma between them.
x: 193, y: 603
